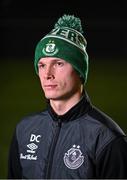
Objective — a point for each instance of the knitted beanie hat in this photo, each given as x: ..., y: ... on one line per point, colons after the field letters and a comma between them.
x: 65, y: 41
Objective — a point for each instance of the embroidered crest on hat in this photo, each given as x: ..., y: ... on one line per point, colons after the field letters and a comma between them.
x: 50, y: 48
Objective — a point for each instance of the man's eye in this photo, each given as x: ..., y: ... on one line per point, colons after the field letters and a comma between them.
x: 60, y: 63
x: 41, y: 65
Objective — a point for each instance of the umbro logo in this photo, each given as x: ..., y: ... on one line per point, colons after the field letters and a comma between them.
x: 32, y: 147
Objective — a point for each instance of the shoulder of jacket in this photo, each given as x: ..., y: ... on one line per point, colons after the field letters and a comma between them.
x: 101, y: 130
x: 32, y: 120
x: 104, y: 122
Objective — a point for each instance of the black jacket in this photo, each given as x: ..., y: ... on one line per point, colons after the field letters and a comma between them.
x: 83, y: 143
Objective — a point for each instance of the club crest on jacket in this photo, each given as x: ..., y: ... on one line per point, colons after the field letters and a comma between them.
x: 73, y: 159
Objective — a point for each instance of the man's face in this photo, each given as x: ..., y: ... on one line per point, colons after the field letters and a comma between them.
x: 59, y: 80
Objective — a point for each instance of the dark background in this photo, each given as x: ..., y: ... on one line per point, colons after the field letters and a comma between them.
x: 24, y: 23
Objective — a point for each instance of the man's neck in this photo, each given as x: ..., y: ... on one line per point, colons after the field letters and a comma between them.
x: 63, y: 106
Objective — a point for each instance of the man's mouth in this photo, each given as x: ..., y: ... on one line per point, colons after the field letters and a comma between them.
x: 50, y: 86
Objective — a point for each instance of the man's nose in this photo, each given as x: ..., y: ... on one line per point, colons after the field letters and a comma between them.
x: 49, y: 73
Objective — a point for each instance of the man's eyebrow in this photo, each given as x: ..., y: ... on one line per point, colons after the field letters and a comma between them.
x: 58, y: 60
x: 52, y: 61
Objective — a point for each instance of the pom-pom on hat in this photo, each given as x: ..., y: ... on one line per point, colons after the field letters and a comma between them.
x: 65, y: 41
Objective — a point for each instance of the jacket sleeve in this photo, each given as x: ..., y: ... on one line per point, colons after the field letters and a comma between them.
x: 14, y: 167
x: 112, y: 162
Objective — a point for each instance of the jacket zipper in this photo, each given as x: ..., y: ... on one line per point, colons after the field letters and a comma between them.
x: 52, y: 149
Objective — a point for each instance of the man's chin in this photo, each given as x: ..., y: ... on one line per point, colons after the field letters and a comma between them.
x: 51, y: 97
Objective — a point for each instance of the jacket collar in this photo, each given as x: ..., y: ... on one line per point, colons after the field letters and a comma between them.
x: 75, y: 112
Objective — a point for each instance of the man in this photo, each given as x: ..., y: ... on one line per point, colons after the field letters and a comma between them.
x: 71, y: 139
